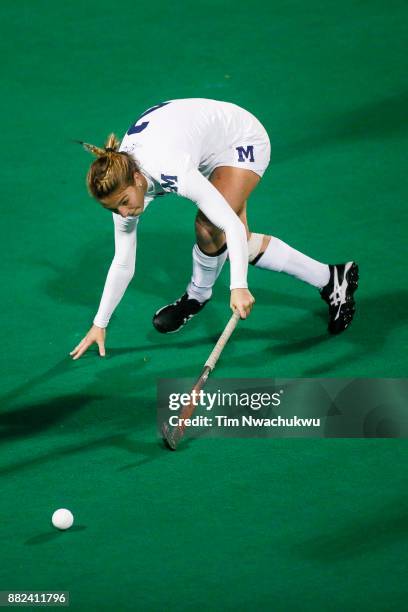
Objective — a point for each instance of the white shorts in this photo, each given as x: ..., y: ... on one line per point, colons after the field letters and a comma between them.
x: 246, y: 145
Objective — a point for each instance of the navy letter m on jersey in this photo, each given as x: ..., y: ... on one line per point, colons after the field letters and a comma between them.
x: 245, y: 153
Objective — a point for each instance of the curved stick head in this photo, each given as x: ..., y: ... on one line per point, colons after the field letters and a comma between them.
x: 169, y: 438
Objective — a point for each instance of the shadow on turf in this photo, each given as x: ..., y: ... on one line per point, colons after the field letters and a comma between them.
x: 215, y: 323
x: 137, y: 446
x: 379, y: 119
x: 367, y: 336
x: 53, y: 534
x: 184, y: 345
x: 19, y: 392
x: 38, y: 417
x: 109, y: 409
x: 377, y: 318
x: 150, y: 451
x: 81, y: 282
x: 360, y: 537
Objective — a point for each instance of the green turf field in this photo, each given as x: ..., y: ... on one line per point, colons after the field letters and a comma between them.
x: 222, y: 524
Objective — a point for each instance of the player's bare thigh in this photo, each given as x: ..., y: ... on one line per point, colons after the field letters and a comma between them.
x: 236, y: 185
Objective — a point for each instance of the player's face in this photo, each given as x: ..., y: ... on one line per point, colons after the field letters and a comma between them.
x: 128, y: 202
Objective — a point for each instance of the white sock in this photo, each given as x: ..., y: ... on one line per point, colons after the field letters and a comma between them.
x: 206, y: 269
x: 280, y: 257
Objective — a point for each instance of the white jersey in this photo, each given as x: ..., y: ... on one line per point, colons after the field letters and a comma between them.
x: 173, y: 136
x: 177, y: 144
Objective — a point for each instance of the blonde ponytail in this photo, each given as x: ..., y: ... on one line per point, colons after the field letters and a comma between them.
x: 111, y: 171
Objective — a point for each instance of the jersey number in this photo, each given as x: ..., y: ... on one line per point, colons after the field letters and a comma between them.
x: 136, y: 129
x: 169, y: 182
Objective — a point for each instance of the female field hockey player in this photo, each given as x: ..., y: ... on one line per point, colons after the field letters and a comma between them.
x: 213, y: 153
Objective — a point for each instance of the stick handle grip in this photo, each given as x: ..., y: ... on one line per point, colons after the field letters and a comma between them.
x: 222, y: 341
x: 172, y: 436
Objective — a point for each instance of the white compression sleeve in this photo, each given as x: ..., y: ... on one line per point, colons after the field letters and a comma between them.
x: 121, y: 270
x: 215, y: 207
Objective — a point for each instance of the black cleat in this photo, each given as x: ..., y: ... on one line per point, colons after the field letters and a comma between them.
x: 173, y: 317
x: 338, y: 294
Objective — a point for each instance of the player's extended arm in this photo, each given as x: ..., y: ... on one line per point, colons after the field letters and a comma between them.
x: 121, y: 270
x: 119, y: 276
x: 197, y: 188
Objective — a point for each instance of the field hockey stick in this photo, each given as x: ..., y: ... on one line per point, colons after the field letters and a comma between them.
x: 172, y: 436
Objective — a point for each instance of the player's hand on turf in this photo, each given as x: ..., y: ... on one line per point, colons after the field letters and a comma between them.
x: 242, y: 301
x: 95, y: 334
